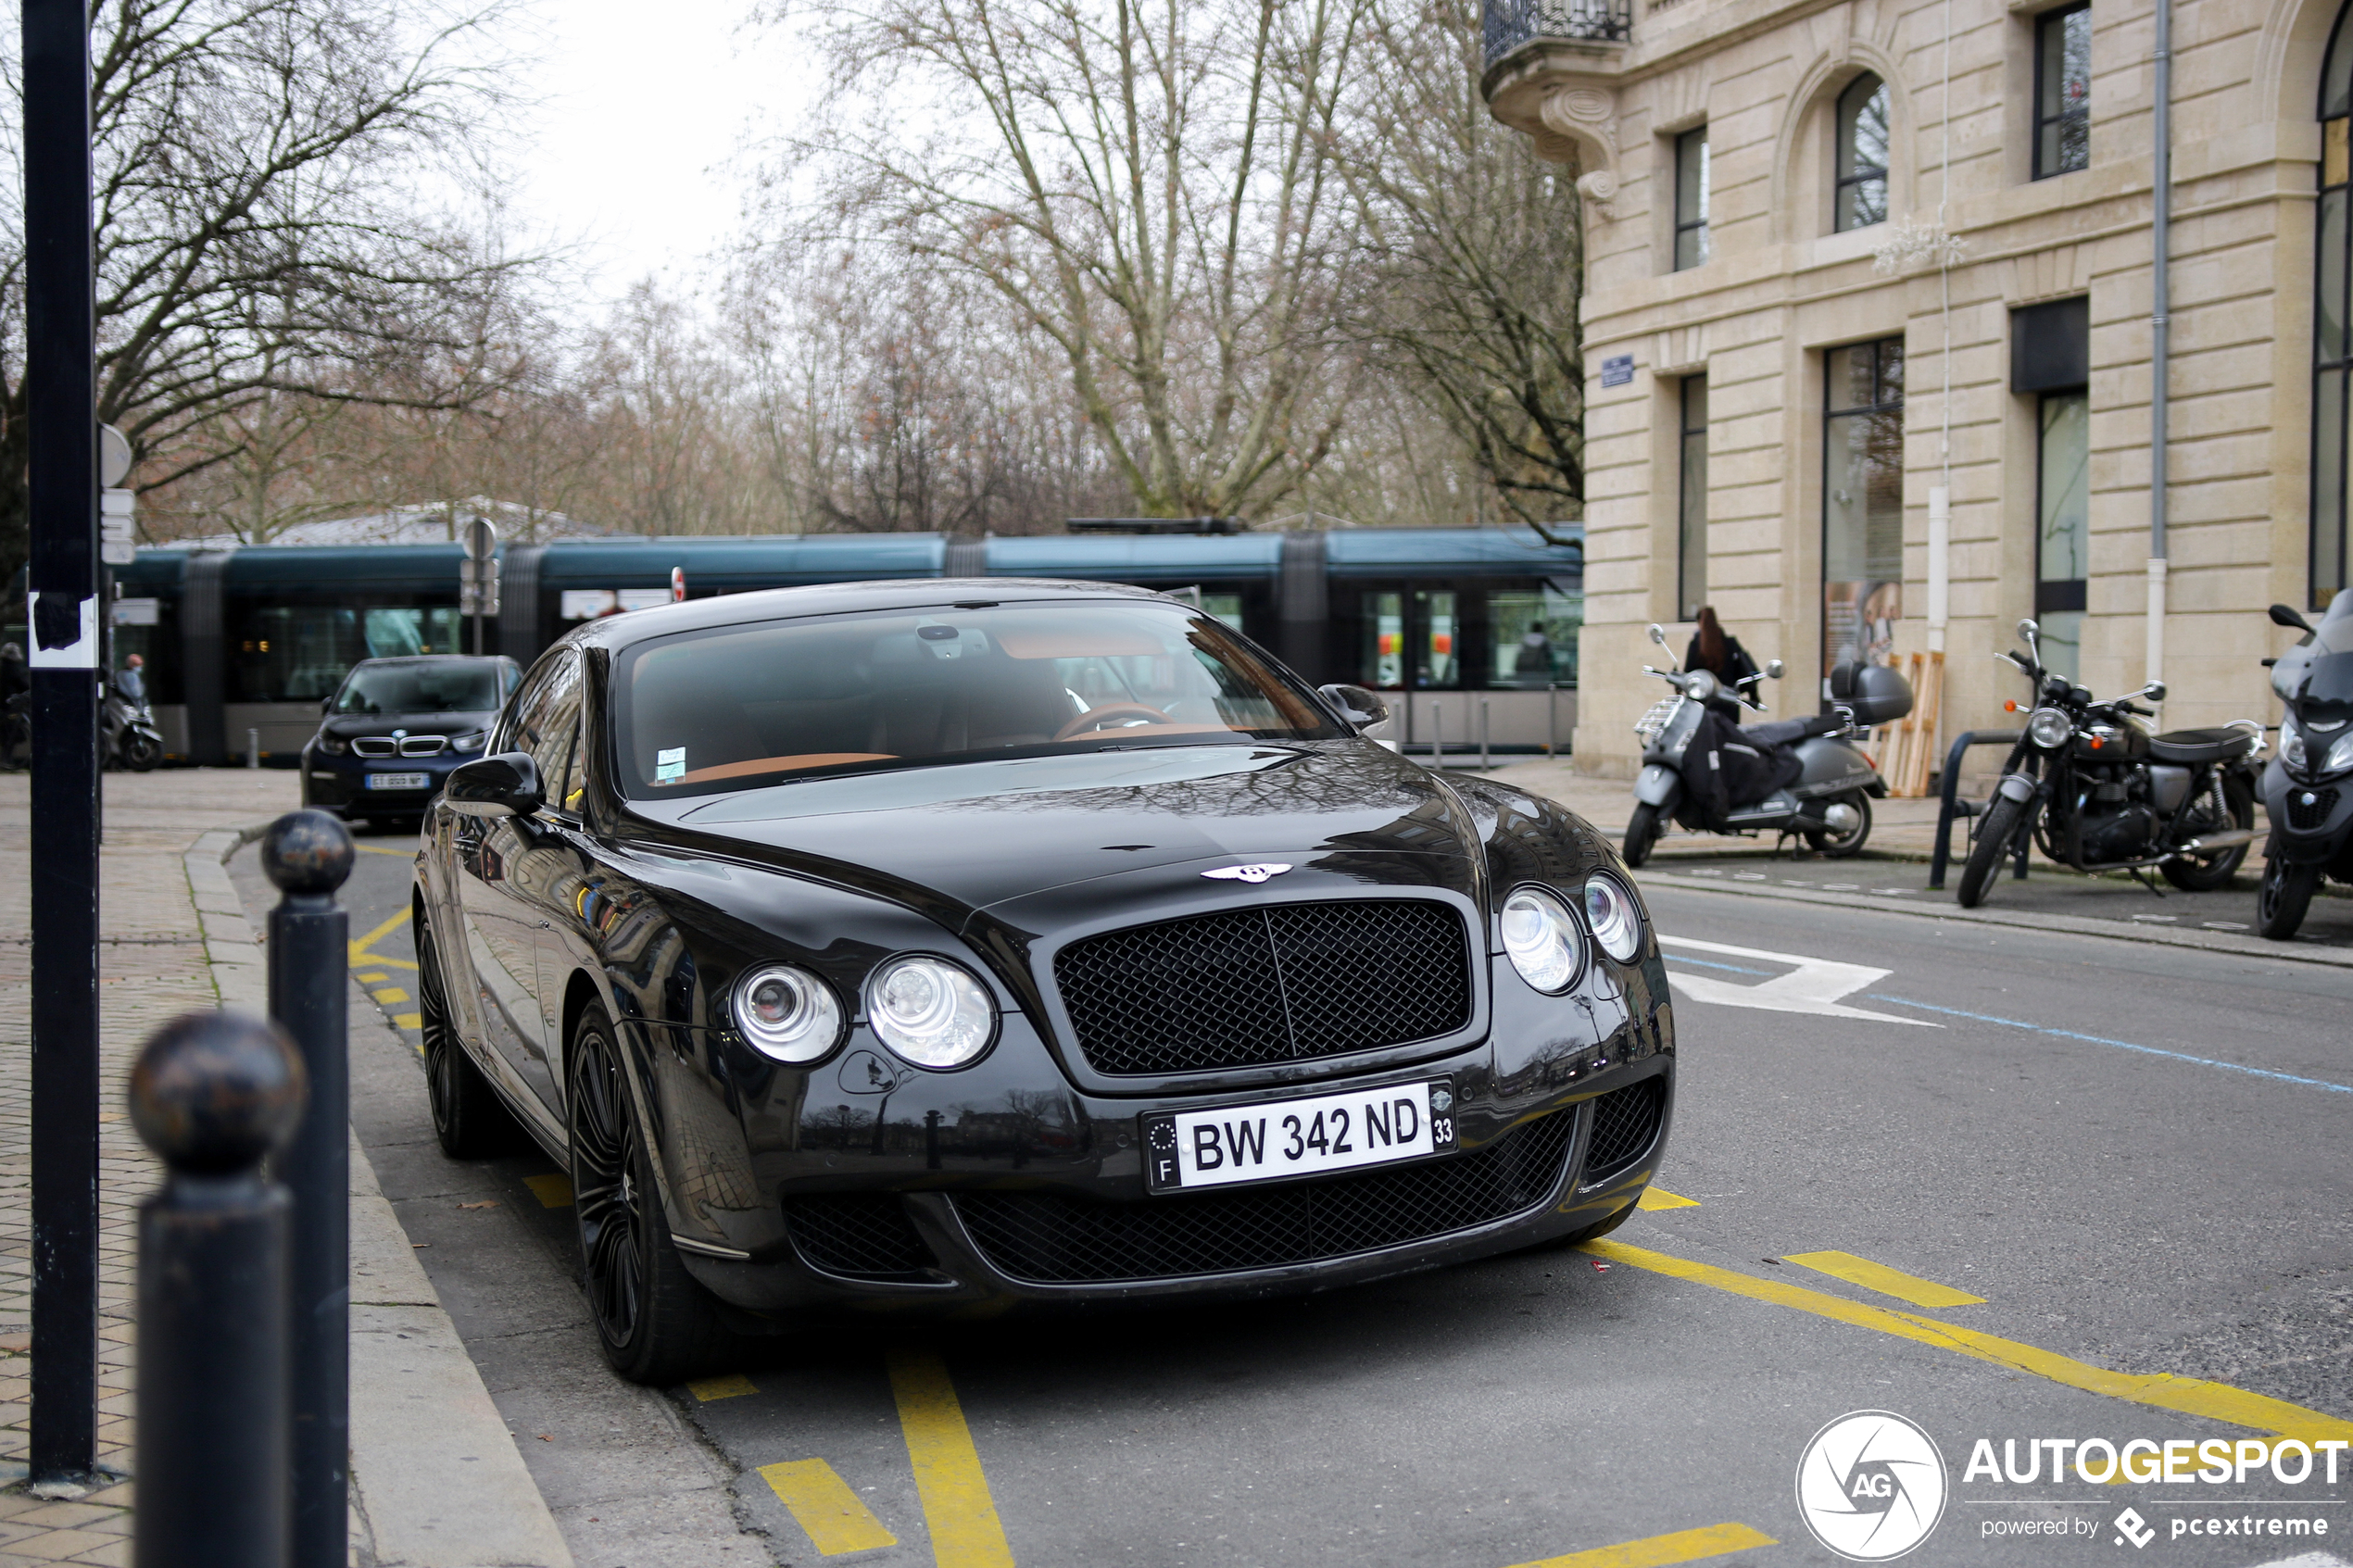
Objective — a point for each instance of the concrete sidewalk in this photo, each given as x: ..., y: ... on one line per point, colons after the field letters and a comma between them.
x: 437, y: 1482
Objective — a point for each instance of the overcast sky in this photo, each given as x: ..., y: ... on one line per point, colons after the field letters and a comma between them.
x: 636, y: 151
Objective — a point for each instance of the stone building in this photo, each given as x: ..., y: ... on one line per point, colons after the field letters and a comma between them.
x: 1862, y: 273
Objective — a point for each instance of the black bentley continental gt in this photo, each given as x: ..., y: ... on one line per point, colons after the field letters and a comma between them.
x: 974, y: 944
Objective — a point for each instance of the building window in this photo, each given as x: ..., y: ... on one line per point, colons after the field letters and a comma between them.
x: 2332, y: 354
x: 2063, y: 90
x: 2062, y: 526
x: 1691, y: 570
x: 1862, y: 154
x: 1691, y: 199
x: 1863, y: 503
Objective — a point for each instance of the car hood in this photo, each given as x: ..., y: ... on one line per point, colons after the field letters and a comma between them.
x: 987, y: 833
x: 413, y: 723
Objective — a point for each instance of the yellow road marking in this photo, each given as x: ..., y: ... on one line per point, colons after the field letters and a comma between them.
x: 553, y: 1190
x: 2189, y: 1395
x: 960, y: 1514
x: 390, y: 995
x: 826, y: 1507
x: 726, y: 1387
x: 408, y: 1020
x: 1656, y: 1552
x: 1886, y: 1280
x: 375, y: 977
x: 359, y: 946
x: 1655, y: 1199
x: 380, y: 849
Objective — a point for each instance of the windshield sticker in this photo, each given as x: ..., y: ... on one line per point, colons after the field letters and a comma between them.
x: 669, y: 764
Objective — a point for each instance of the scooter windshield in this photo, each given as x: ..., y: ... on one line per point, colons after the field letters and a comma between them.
x: 2328, y: 688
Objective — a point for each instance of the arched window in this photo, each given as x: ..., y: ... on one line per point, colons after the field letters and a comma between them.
x: 1862, y: 153
x: 2331, y: 352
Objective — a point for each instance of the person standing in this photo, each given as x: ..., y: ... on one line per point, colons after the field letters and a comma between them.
x: 132, y: 681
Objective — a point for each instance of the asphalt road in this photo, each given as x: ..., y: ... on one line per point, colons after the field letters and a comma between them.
x: 2133, y: 1154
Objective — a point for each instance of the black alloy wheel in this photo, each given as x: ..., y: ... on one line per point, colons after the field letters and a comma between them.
x: 467, y: 1115
x: 1642, y: 831
x: 1839, y: 845
x: 2287, y: 893
x: 1994, y: 831
x: 655, y: 1324
x: 2238, y: 811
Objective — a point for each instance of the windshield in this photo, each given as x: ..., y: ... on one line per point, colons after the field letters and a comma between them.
x: 437, y: 687
x: 742, y: 705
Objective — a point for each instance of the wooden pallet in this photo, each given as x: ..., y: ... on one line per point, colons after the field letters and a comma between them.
x: 1910, y: 742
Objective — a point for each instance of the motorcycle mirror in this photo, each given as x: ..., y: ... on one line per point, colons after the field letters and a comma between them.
x: 2285, y: 615
x: 1658, y: 633
x: 1773, y: 669
x: 2028, y: 630
x: 2154, y: 691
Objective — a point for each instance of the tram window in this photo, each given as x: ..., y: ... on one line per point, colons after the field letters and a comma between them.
x: 1437, y: 654
x: 1227, y: 608
x: 1533, y: 633
x: 1384, y: 663
x: 300, y: 653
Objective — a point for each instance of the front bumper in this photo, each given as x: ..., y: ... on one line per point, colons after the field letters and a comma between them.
x: 339, y: 783
x: 2311, y: 823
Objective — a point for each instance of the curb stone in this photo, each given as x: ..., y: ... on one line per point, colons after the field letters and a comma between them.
x: 435, y: 1477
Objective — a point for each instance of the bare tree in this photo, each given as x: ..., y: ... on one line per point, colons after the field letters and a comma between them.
x: 1144, y: 183
x: 272, y: 179
x: 1476, y: 256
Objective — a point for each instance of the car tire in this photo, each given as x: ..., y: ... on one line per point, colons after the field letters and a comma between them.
x: 1995, y: 828
x: 468, y: 1118
x: 1838, y: 846
x: 1642, y: 831
x: 655, y: 1324
x: 2287, y: 893
x: 2205, y: 876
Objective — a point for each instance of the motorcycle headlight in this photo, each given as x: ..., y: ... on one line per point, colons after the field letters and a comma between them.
x: 1701, y: 685
x: 1614, y: 918
x: 2292, y: 745
x: 930, y: 1011
x: 473, y: 742
x: 2340, y: 755
x: 334, y: 745
x: 1542, y: 939
x: 2049, y: 728
x: 788, y: 1013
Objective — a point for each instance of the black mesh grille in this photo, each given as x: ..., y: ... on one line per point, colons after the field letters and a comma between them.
x: 1275, y: 983
x: 1625, y: 1120
x: 2307, y: 819
x: 1054, y: 1240
x: 865, y: 1235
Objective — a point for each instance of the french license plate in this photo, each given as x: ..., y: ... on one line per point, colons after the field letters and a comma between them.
x: 1275, y: 1140
x: 399, y: 781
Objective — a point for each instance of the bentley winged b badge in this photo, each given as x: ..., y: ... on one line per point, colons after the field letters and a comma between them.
x: 1248, y: 874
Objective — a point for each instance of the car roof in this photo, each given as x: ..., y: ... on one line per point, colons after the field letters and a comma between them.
x: 434, y: 658
x: 617, y: 632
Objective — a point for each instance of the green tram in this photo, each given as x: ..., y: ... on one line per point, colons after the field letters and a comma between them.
x: 1469, y: 626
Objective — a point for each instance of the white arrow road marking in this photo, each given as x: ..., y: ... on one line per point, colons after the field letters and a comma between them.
x: 1815, y: 986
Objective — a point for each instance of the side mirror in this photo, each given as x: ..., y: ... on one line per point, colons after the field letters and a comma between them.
x: 504, y: 785
x: 2285, y: 615
x: 2029, y: 630
x: 326, y: 704
x: 1658, y: 633
x: 1367, y: 711
x: 2154, y: 691
x: 1773, y: 669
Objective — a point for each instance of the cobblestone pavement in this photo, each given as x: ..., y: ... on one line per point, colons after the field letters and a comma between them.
x: 151, y: 968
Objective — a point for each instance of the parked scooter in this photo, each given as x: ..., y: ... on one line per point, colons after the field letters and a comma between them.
x: 127, y: 733
x: 2306, y: 791
x: 2099, y: 792
x: 1829, y: 802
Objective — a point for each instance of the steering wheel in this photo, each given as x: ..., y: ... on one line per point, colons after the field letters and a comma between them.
x: 1095, y: 718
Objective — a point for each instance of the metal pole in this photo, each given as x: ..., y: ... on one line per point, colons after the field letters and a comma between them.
x: 1551, y: 717
x: 1437, y: 734
x: 2161, y: 311
x: 213, y: 1094
x: 307, y: 855
x: 1482, y: 734
x: 62, y: 580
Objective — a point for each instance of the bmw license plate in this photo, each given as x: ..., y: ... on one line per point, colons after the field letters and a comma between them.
x: 1273, y: 1140
x: 399, y: 781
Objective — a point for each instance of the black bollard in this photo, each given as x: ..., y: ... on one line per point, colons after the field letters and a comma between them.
x: 307, y: 855
x: 213, y: 1094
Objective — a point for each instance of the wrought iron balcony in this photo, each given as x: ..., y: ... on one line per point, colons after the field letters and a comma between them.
x: 1510, y: 23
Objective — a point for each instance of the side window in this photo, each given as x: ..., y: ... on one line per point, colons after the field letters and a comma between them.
x: 545, y: 714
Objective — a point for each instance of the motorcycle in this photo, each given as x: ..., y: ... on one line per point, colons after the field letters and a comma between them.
x: 1825, y: 796
x: 2306, y: 791
x: 2099, y: 791
x: 127, y: 733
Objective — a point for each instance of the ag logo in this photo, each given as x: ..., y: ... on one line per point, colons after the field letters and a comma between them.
x: 1247, y: 873
x: 1871, y: 1486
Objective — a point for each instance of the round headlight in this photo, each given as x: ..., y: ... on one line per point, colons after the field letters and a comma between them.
x: 788, y: 1013
x: 2049, y: 728
x: 1701, y: 685
x: 1541, y: 938
x: 930, y: 1011
x: 1614, y: 918
x: 2291, y: 745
